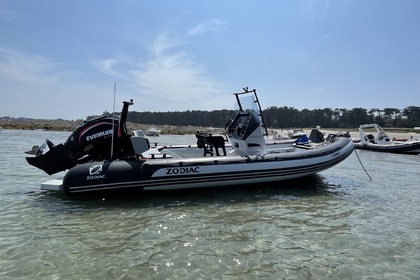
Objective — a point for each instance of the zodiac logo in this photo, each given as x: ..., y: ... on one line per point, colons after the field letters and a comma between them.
x: 96, y: 169
x: 94, y: 172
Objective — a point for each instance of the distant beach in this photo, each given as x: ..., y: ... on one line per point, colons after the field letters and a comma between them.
x: 65, y: 125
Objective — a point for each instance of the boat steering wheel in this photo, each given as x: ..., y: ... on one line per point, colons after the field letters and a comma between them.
x: 228, y: 124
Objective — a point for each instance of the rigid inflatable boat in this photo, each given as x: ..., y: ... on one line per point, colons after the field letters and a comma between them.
x: 374, y: 138
x: 101, y: 155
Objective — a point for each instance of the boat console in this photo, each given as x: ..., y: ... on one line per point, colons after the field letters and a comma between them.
x: 246, y: 131
x: 243, y: 125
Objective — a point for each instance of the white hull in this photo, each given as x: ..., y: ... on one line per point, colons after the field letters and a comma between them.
x: 379, y: 141
x: 152, y: 132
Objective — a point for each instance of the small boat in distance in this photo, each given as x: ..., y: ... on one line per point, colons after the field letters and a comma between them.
x: 374, y: 138
x: 153, y: 131
x: 102, y: 156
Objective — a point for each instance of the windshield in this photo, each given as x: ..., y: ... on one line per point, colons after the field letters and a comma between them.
x: 247, y: 102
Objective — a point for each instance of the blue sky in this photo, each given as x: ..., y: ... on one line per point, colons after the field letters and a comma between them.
x: 60, y: 59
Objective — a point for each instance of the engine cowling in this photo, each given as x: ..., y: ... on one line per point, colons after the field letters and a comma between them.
x: 90, y: 141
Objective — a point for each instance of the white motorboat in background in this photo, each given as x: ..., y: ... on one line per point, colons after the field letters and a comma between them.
x: 153, y: 131
x: 374, y: 138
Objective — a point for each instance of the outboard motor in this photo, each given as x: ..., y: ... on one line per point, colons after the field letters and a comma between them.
x: 102, y: 138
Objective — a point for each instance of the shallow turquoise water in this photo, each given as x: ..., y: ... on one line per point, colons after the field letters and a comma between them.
x: 335, y: 225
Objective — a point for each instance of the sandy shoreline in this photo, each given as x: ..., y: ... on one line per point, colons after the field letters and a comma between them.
x: 62, y: 125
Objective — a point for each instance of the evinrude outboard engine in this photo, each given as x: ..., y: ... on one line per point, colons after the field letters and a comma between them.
x: 91, y: 141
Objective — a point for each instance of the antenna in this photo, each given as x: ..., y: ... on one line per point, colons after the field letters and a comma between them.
x: 113, y: 122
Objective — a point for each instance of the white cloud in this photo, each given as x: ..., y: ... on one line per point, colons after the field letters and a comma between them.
x: 163, y: 43
x: 34, y: 86
x: 167, y: 78
x: 25, y: 69
x: 214, y: 25
x: 109, y: 66
x: 172, y: 80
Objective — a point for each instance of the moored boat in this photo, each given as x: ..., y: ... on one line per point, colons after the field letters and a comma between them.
x: 153, y: 131
x: 374, y: 138
x: 102, y: 156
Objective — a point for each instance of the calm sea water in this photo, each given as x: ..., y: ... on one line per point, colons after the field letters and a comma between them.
x: 335, y: 225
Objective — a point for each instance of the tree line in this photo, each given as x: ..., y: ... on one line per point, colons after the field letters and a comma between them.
x: 287, y: 117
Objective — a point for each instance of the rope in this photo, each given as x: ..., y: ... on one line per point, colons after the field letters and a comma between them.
x: 362, y: 165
